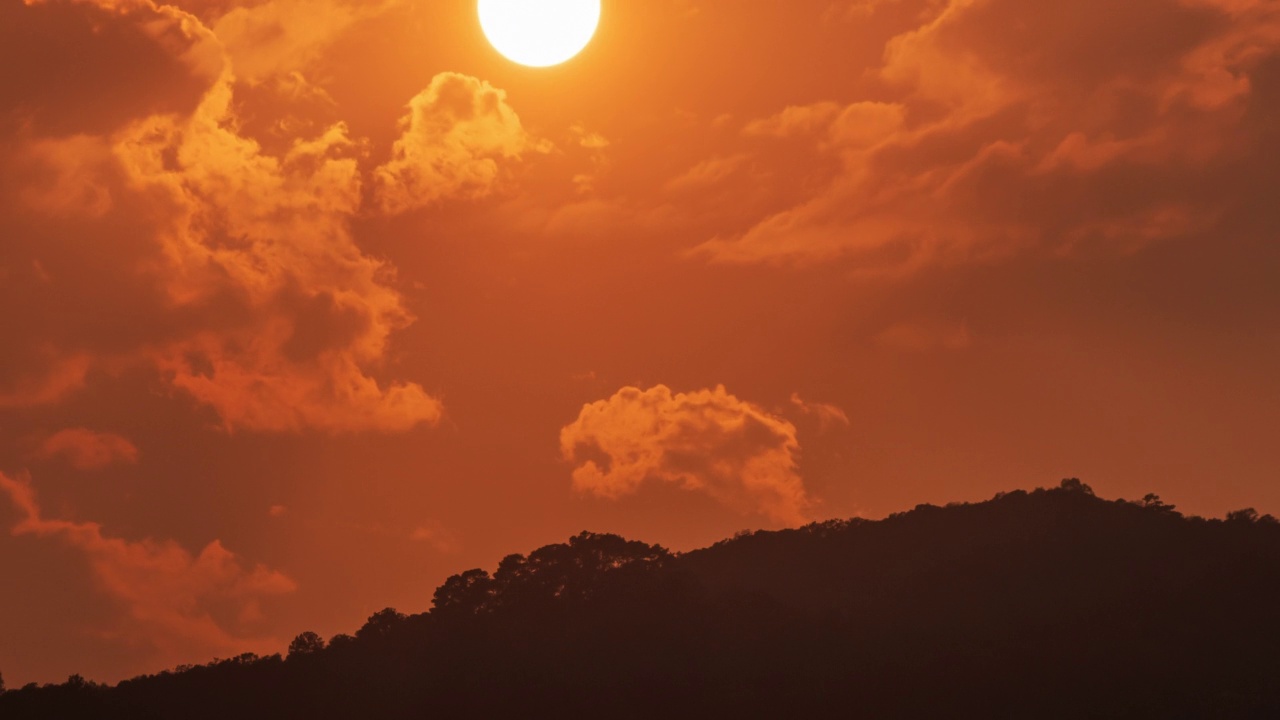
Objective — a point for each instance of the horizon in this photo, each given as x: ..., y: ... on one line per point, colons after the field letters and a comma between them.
x: 1067, y: 487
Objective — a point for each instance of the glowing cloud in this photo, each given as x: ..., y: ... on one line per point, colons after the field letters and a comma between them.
x: 273, y: 231
x: 171, y: 239
x: 455, y: 133
x: 704, y: 441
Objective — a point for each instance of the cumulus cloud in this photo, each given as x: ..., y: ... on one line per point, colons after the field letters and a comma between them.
x: 171, y: 239
x: 86, y: 449
x: 185, y: 606
x: 1006, y: 127
x: 704, y: 441
x: 270, y: 234
x: 454, y: 136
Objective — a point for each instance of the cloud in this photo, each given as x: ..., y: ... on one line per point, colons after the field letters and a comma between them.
x: 588, y: 139
x: 595, y: 153
x: 270, y: 235
x: 826, y: 413
x: 40, y: 376
x: 130, y: 59
x: 853, y: 10
x: 454, y: 135
x: 186, y: 607
x: 794, y: 120
x: 88, y: 449
x: 283, y: 36
x: 707, y: 173
x: 1007, y: 127
x: 170, y: 239
x: 704, y: 441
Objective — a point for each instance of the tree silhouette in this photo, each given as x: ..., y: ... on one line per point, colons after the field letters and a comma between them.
x: 306, y: 643
x: 380, y: 624
x: 1244, y: 515
x: 1074, y: 485
x: 468, y: 593
x: 341, y: 641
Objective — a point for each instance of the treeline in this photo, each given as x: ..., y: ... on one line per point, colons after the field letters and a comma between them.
x: 1052, y: 603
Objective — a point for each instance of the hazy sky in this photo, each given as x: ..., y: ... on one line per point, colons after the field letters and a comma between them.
x: 308, y: 304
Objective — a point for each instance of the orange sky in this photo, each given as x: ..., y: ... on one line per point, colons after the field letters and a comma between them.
x: 307, y: 304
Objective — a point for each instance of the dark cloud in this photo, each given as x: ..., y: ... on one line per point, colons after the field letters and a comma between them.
x: 77, y: 67
x: 1022, y: 127
x: 166, y: 592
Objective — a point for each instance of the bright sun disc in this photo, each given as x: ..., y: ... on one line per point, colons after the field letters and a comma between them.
x: 539, y: 33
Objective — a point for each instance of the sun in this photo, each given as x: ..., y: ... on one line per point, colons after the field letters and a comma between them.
x: 539, y: 33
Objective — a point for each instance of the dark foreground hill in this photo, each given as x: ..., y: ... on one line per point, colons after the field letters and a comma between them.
x: 1052, y: 603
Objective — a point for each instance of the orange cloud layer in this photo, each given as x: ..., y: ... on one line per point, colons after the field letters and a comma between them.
x: 87, y: 449
x: 704, y: 441
x: 186, y: 606
x: 1005, y: 127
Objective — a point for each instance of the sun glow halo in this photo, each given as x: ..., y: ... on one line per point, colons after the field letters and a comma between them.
x: 539, y: 33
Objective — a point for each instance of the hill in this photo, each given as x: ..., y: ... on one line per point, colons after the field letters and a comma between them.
x: 1051, y: 603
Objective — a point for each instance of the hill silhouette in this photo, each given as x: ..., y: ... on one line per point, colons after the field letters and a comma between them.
x: 1051, y: 603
